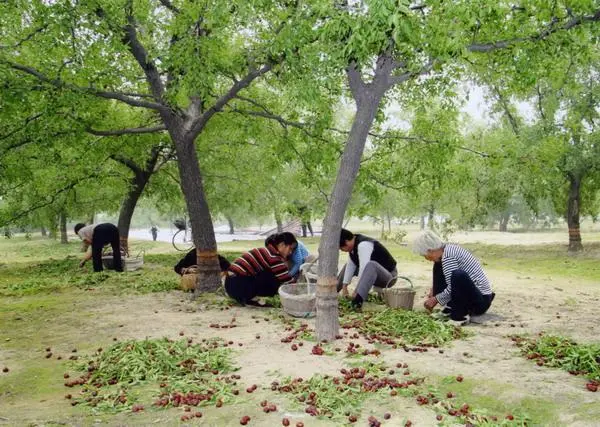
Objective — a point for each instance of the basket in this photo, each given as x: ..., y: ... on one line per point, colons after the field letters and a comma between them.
x: 189, y: 277
x: 299, y: 300
x: 400, y: 297
x: 129, y: 263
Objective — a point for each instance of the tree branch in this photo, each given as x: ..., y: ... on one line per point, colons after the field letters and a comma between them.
x: 90, y: 90
x: 354, y: 79
x: 49, y: 201
x: 170, y: 6
x: 27, y: 121
x: 141, y: 55
x: 128, y: 131
x: 223, y: 100
x: 127, y: 162
x: 549, y: 30
x: 27, y: 38
x: 393, y: 80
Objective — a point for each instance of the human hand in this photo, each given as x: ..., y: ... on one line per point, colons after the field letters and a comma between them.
x: 430, y: 303
x: 344, y: 291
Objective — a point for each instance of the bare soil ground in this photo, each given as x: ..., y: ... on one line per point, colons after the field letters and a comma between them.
x: 488, y: 360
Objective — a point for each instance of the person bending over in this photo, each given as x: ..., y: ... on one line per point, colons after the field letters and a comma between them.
x: 97, y: 236
x: 459, y: 283
x: 369, y: 260
x: 260, y: 271
x: 299, y: 255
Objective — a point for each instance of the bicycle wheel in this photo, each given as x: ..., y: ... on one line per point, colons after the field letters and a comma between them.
x: 178, y: 242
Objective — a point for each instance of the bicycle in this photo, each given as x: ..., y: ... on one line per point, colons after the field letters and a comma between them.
x: 179, y: 241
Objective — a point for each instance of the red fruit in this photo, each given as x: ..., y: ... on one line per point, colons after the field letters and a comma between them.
x: 219, y: 403
x: 408, y: 423
x: 187, y: 409
x: 387, y: 416
x: 299, y: 424
x: 439, y: 418
x: 48, y: 349
x: 198, y: 415
x: 257, y: 337
x: 245, y: 420
x: 48, y: 355
x: 510, y: 417
x: 181, y: 333
x: 249, y: 390
x: 66, y: 376
x: 294, y: 347
x: 459, y: 378
x: 592, y: 387
x: 74, y: 350
x: 263, y: 403
x: 352, y: 418
x: 184, y: 418
x: 5, y: 369
x: 68, y: 396
x: 99, y: 350
x: 285, y: 422
x: 449, y: 395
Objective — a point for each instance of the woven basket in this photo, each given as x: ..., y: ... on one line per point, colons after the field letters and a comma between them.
x: 299, y: 300
x: 400, y: 297
x: 189, y: 277
x: 129, y: 264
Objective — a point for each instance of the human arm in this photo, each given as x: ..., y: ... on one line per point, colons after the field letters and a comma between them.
x: 187, y: 261
x: 348, y: 274
x: 298, y: 258
x: 365, y: 250
x: 86, y: 257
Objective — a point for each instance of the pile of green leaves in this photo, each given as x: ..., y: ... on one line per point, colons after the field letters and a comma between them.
x: 563, y: 353
x: 127, y: 371
x: 404, y: 327
x: 335, y: 397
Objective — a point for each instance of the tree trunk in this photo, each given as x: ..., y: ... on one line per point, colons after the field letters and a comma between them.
x: 279, y: 221
x: 422, y: 222
x: 382, y: 228
x: 573, y: 213
x: 91, y: 218
x: 231, y: 228
x: 431, y: 218
x: 389, y: 222
x: 203, y: 232
x: 504, y: 221
x: 136, y: 188
x: 64, y: 239
x: 327, y: 321
x: 44, y: 232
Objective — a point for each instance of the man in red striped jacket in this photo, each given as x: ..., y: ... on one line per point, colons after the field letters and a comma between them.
x: 260, y: 271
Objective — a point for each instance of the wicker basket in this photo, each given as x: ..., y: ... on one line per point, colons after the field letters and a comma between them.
x: 129, y: 264
x: 400, y: 297
x: 299, y: 300
x: 189, y: 277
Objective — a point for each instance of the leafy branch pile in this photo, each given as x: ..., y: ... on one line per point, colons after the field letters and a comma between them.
x: 186, y: 374
x: 342, y: 396
x: 401, y: 327
x: 563, y: 353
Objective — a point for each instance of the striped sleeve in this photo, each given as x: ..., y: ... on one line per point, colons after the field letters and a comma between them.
x: 457, y: 258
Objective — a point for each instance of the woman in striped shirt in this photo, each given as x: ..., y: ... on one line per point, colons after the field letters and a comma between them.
x: 260, y: 271
x: 459, y: 282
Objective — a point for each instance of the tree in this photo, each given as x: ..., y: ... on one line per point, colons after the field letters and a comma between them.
x: 402, y: 44
x: 184, y: 64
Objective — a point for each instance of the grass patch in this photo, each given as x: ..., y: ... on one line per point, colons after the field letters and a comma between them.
x: 560, y: 352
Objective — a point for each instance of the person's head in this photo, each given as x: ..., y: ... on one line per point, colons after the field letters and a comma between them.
x: 78, y: 227
x: 285, y: 243
x: 429, y: 245
x: 346, y: 240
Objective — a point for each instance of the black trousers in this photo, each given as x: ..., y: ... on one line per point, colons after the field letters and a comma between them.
x: 465, y: 297
x: 244, y: 288
x: 106, y: 234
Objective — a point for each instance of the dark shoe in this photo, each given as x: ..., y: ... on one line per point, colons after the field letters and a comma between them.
x: 357, y: 302
x: 460, y: 322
